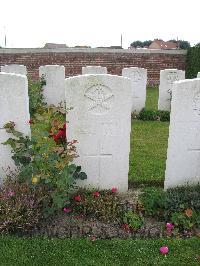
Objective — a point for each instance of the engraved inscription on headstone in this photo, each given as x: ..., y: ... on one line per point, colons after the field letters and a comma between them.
x: 100, y: 98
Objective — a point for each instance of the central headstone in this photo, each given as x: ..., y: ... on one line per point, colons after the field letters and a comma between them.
x: 101, y: 128
x: 14, y: 68
x: 138, y: 78
x: 183, y: 155
x: 54, y: 90
x: 94, y: 70
x: 167, y: 77
x: 14, y: 107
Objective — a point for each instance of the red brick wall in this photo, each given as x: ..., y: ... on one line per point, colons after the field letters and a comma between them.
x: 114, y: 60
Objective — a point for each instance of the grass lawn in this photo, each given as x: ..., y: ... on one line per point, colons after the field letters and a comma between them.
x: 152, y: 98
x: 43, y: 251
x: 148, y: 147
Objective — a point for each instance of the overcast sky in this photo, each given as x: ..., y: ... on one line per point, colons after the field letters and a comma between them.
x: 32, y: 23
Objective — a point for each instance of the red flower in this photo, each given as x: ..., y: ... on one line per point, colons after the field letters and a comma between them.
x: 114, y: 190
x: 96, y: 194
x: 60, y: 135
x: 77, y: 198
x: 126, y: 227
x: 30, y: 121
x: 65, y: 126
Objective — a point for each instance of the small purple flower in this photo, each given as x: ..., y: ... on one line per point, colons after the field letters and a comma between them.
x: 67, y: 210
x: 169, y: 226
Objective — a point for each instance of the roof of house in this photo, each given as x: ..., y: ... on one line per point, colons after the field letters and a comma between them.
x: 165, y: 45
x: 55, y: 45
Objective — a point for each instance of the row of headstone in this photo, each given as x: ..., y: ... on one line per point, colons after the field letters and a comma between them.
x: 103, y: 130
x: 55, y: 76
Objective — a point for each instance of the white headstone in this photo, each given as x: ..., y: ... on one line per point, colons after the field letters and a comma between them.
x: 198, y: 75
x: 54, y: 90
x: 13, y: 68
x: 138, y: 78
x: 183, y: 155
x: 94, y: 70
x: 167, y: 77
x: 14, y: 107
x: 101, y: 122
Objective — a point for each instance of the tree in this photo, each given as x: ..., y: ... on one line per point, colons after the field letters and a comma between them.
x: 181, y: 44
x: 141, y: 44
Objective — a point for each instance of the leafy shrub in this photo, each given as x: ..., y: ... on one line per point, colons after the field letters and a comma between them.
x: 21, y: 207
x: 36, y: 99
x: 133, y: 220
x: 193, y: 62
x: 186, y: 220
x: 180, y: 205
x: 46, y: 158
x: 103, y: 205
x: 181, y: 198
x: 153, y: 115
x: 154, y: 201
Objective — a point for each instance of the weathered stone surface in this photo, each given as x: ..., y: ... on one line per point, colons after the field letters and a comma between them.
x: 101, y: 128
x: 183, y: 155
x: 167, y: 77
x: 94, y: 70
x: 54, y: 90
x: 14, y: 106
x: 14, y: 68
x: 138, y: 78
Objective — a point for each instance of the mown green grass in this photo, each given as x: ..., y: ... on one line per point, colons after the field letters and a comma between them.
x: 148, y: 151
x: 152, y: 98
x: 43, y: 251
x: 149, y: 140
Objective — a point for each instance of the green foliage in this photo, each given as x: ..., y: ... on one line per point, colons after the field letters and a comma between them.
x: 185, y: 222
x: 102, y: 205
x: 180, y: 205
x: 154, y: 201
x: 46, y: 158
x: 36, y: 99
x: 20, y: 206
x: 153, y: 115
x: 133, y: 220
x: 193, y: 62
x: 138, y: 43
x: 181, y: 44
x: 182, y: 198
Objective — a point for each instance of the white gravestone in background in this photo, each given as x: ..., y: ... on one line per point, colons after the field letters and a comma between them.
x: 101, y: 122
x: 198, y: 75
x: 14, y: 106
x: 54, y: 90
x: 16, y: 69
x: 138, y: 78
x: 167, y: 77
x: 94, y: 70
x: 183, y: 155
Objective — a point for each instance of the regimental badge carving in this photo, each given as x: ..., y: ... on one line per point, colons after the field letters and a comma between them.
x: 196, y: 103
x: 100, y: 99
x: 136, y: 76
x: 172, y: 76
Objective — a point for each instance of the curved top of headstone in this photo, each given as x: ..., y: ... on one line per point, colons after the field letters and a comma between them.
x: 14, y: 68
x: 94, y: 70
x: 14, y: 101
x: 98, y: 94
